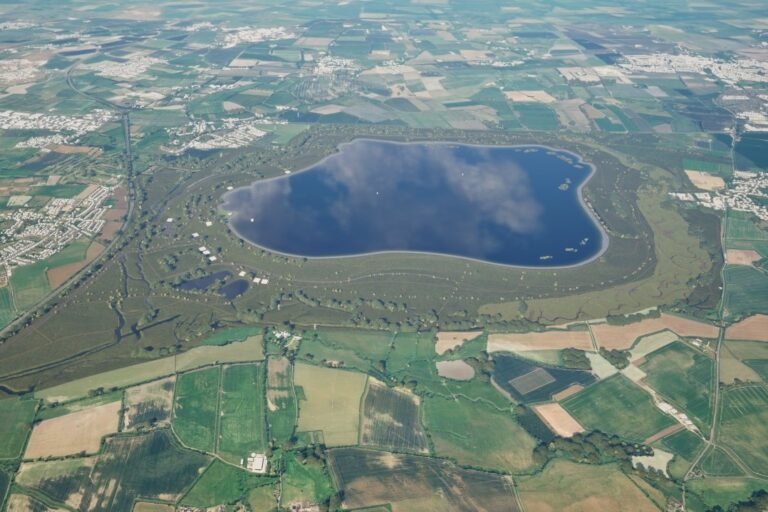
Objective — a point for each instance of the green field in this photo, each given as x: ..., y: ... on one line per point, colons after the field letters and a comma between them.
x: 281, y: 410
x: 72, y: 253
x: 30, y: 284
x: 7, y: 309
x: 241, y: 412
x: 16, y: 417
x: 744, y: 425
x: 469, y: 432
x: 262, y: 499
x: 370, y: 345
x: 222, y: 484
x: 718, y: 463
x: 618, y: 406
x: 742, y: 226
x: 685, y: 445
x: 565, y: 485
x: 331, y: 402
x: 723, y: 491
x: 306, y: 481
x: 684, y: 377
x: 745, y: 291
x: 195, y: 408
x: 226, y: 336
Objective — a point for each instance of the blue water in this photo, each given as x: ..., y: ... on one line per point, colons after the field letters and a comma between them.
x: 514, y: 205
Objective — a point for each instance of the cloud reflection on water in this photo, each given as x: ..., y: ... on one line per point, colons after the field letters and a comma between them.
x: 376, y: 196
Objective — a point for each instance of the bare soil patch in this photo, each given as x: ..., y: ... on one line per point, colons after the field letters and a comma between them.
x: 154, y: 396
x: 622, y: 337
x: 70, y: 150
x: 570, y: 390
x: 539, y: 341
x: 664, y: 433
x: 741, y: 256
x: 456, y: 370
x: 450, y: 340
x: 529, y: 97
x: 753, y: 328
x: 558, y: 419
x: 277, y: 372
x: 705, y: 181
x: 73, y: 433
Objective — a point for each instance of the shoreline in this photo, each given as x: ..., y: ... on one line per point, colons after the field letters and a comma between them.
x: 579, y: 160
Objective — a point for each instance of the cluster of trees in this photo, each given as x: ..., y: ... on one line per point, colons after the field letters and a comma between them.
x: 618, y: 358
x: 632, y: 318
x: 575, y: 358
x: 591, y: 448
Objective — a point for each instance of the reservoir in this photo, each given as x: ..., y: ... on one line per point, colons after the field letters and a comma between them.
x: 511, y: 205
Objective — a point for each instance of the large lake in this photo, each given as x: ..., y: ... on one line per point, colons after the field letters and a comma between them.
x: 514, y: 205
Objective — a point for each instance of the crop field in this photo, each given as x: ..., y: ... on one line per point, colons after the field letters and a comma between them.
x: 558, y: 419
x: 617, y: 406
x: 151, y: 466
x: 745, y: 291
x: 569, y: 487
x: 685, y: 445
x: 7, y: 309
x: 221, y: 484
x: 30, y: 284
x: 409, y: 483
x: 304, y: 482
x: 751, y: 328
x: 651, y: 343
x: 390, y: 419
x: 241, y: 412
x: 744, y: 425
x: 147, y: 506
x: 281, y: 399
x: 622, y: 337
x: 73, y: 433
x: 741, y: 226
x: 16, y: 417
x: 149, y: 403
x: 528, y: 382
x: 331, y: 404
x: 63, y: 480
x: 684, y: 377
x: 195, y: 408
x: 548, y: 340
x: 469, y: 433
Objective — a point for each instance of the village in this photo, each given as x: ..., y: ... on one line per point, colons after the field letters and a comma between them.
x: 31, y: 235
